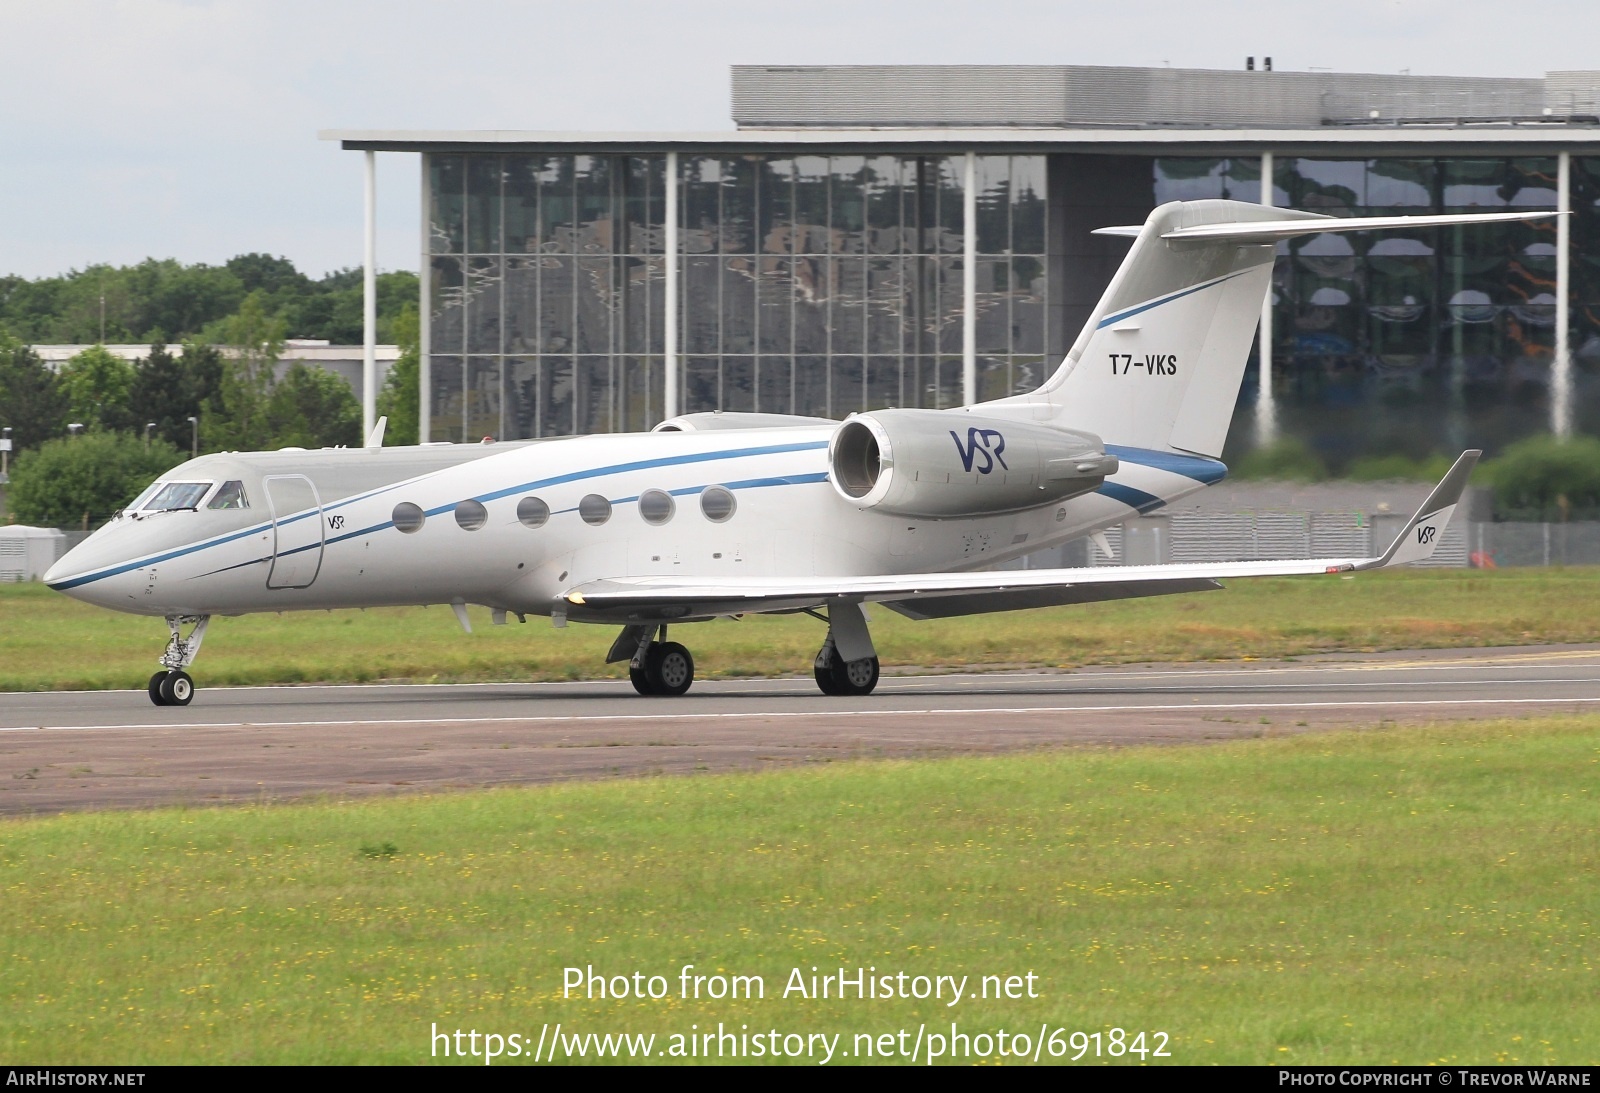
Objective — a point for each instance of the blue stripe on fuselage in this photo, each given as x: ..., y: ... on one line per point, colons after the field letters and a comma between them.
x: 1136, y: 499
x: 1196, y: 467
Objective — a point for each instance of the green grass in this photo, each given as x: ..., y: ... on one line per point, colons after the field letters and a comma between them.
x: 48, y: 641
x: 1418, y: 895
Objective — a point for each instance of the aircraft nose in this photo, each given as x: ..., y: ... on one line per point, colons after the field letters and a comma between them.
x: 80, y: 572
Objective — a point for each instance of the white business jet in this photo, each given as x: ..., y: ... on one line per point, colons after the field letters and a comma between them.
x: 724, y: 514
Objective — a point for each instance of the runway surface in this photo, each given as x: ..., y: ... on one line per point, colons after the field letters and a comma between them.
x: 62, y: 751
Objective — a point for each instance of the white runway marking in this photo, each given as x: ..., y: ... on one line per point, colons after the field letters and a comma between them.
x: 776, y: 714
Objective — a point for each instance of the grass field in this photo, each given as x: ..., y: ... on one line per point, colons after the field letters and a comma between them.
x: 1417, y: 895
x: 48, y: 641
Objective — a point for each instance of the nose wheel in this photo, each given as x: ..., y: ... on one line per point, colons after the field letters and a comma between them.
x: 173, y: 688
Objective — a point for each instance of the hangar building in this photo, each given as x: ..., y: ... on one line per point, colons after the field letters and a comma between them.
x: 919, y: 236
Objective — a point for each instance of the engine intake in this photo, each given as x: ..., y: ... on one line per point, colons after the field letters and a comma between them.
x: 937, y: 463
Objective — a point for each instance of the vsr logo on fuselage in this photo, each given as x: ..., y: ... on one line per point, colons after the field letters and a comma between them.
x: 987, y: 443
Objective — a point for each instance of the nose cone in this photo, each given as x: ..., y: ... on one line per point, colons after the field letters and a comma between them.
x: 94, y: 571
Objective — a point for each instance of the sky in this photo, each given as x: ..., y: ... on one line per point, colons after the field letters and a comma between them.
x: 188, y: 128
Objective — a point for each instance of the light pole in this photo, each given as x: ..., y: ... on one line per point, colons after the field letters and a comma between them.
x: 5, y: 456
x: 147, y: 427
x: 194, y: 437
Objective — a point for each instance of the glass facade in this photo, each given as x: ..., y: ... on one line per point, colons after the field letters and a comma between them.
x: 546, y: 285
x: 824, y: 284
x: 814, y: 285
x: 1416, y: 341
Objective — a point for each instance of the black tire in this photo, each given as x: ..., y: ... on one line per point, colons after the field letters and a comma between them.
x: 858, y: 677
x: 640, y: 680
x: 155, y: 688
x: 177, y: 689
x: 670, y: 668
x: 825, y: 680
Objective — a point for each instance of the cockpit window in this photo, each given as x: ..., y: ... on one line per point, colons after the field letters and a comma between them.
x: 230, y: 496
x: 139, y: 502
x: 177, y: 495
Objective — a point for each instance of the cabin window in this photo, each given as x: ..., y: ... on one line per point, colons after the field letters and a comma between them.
x: 177, y: 495
x: 408, y: 517
x: 656, y: 506
x: 717, y: 503
x: 471, y: 515
x: 230, y: 496
x: 532, y: 512
x: 594, y: 509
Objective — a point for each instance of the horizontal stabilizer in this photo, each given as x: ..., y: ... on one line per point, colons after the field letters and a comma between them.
x: 1269, y: 231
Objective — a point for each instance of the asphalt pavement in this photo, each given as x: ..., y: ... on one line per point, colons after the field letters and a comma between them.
x: 62, y: 751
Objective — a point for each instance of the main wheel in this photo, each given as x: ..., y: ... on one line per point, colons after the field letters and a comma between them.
x: 857, y: 677
x: 155, y: 688
x: 670, y: 668
x: 825, y: 682
x: 640, y: 680
x: 177, y: 689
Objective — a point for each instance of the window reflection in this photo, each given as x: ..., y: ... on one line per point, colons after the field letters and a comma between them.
x: 1427, y: 339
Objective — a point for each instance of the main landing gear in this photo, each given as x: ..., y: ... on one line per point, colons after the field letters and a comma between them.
x: 172, y: 686
x: 847, y: 664
x: 656, y: 666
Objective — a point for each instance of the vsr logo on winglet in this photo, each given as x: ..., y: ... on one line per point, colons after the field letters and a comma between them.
x: 985, y: 442
x: 1426, y: 533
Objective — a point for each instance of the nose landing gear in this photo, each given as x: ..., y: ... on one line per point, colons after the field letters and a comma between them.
x: 172, y: 686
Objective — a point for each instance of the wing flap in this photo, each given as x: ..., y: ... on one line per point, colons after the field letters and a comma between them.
x: 1023, y: 599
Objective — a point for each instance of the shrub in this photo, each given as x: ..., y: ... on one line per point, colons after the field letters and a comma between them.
x: 1288, y: 459
x: 1545, y: 478
x: 82, y: 480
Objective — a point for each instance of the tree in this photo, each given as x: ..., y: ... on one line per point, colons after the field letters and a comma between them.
x: 400, y: 398
x: 32, y: 403
x: 313, y: 408
x: 237, y: 417
x: 81, y: 481
x: 164, y: 392
x: 98, y: 384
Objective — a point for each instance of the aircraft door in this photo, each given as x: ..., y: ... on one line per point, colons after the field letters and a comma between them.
x: 297, y: 531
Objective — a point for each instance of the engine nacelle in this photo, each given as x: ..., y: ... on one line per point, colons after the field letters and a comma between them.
x: 936, y: 463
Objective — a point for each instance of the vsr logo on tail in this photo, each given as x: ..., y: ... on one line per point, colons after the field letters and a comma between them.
x: 987, y: 443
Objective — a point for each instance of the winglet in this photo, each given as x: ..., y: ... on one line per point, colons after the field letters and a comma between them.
x: 376, y: 439
x: 1421, y: 536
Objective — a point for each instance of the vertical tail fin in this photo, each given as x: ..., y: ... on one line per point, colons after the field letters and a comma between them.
x: 1160, y: 361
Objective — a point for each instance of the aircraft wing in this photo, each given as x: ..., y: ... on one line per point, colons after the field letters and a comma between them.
x: 944, y: 595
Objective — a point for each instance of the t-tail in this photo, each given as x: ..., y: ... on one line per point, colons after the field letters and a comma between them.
x: 1159, y: 363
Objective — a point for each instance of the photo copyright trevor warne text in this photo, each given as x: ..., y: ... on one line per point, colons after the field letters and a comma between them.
x: 928, y: 1042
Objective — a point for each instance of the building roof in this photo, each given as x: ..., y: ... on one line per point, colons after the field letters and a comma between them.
x: 1506, y: 140
x: 1083, y: 108
x: 312, y: 352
